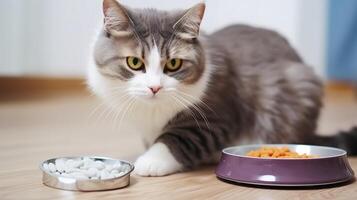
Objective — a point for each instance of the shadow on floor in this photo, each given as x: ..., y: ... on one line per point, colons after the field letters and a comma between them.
x: 290, y: 187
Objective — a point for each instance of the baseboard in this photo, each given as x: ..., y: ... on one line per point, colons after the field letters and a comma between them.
x: 31, y: 84
x: 334, y: 89
x: 19, y: 85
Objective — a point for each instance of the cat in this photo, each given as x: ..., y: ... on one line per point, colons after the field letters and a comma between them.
x: 190, y: 94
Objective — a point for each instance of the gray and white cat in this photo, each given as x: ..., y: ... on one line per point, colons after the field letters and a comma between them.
x: 190, y: 94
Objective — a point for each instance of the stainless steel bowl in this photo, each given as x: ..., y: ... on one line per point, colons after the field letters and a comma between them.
x: 66, y: 183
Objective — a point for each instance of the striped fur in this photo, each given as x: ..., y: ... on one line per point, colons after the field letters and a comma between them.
x: 239, y: 85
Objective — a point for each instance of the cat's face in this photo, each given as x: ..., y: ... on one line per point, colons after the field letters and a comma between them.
x: 150, y: 56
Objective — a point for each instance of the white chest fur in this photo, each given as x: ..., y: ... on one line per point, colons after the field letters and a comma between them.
x: 148, y: 121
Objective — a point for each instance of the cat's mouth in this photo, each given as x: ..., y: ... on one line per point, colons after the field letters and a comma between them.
x: 153, y: 97
x: 149, y: 98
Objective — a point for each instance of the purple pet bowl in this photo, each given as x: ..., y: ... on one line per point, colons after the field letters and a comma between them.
x: 330, y: 167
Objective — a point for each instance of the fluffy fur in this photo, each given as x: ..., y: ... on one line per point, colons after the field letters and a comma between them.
x: 238, y: 85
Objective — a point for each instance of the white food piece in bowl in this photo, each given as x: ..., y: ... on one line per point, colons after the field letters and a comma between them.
x: 85, y: 168
x: 60, y: 165
x: 45, y: 166
x: 79, y: 175
x: 109, y: 168
x: 99, y: 165
x: 52, y: 167
x: 91, y: 172
x: 104, y: 175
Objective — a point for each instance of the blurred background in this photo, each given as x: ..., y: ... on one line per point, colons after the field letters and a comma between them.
x: 44, y: 51
x: 52, y: 38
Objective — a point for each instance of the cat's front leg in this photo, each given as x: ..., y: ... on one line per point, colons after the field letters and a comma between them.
x: 157, y: 161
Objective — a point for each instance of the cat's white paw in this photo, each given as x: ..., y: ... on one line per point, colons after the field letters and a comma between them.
x: 157, y: 161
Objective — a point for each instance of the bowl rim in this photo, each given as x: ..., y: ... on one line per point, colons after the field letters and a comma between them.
x: 95, y: 157
x: 343, y: 152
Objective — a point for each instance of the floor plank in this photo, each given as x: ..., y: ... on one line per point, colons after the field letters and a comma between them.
x: 38, y: 127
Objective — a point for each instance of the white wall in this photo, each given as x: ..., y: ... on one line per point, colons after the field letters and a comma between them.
x: 312, y: 35
x: 52, y: 37
x: 11, y: 36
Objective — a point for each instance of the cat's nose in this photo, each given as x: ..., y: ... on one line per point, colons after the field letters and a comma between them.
x: 155, y: 89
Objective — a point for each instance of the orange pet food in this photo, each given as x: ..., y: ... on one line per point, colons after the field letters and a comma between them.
x: 276, y: 152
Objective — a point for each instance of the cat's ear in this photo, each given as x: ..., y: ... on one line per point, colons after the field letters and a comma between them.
x: 188, y: 26
x: 116, y: 19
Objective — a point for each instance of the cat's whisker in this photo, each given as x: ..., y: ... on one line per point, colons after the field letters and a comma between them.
x: 170, y: 90
x: 110, y: 111
x: 130, y: 91
x: 121, y: 107
x: 198, y: 110
x: 104, y: 104
x: 137, y: 91
x: 123, y: 89
x: 197, y: 99
x: 131, y: 101
x: 97, y: 108
x: 188, y: 109
x: 101, y: 107
x: 133, y: 106
x: 104, y: 112
x: 176, y: 100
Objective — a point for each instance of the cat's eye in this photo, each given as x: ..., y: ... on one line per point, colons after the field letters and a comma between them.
x: 173, y: 65
x: 135, y: 63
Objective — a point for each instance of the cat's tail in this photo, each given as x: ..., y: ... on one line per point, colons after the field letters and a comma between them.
x: 346, y: 140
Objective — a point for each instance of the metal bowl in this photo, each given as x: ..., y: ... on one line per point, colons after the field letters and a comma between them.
x: 66, y: 183
x: 330, y: 167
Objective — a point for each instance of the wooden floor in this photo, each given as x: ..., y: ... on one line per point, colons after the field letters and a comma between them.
x: 36, y: 127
